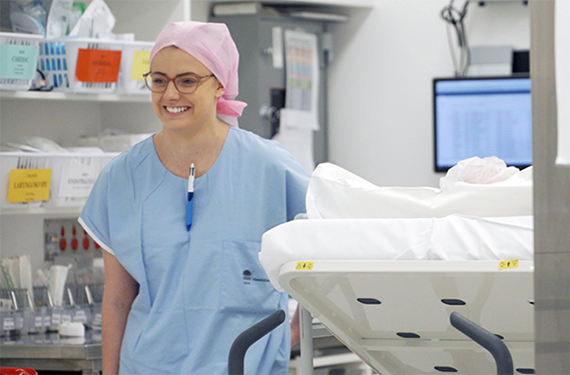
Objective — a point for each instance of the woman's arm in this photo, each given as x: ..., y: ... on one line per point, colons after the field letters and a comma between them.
x: 118, y: 296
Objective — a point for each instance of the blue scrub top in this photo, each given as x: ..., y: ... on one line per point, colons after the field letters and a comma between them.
x: 198, y: 289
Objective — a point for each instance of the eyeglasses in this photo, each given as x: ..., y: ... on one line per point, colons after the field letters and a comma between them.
x: 185, y: 83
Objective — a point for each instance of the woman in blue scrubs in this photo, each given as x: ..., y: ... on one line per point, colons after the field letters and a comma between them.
x: 177, y: 295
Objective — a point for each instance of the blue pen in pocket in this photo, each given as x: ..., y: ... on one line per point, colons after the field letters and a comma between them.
x: 190, y: 203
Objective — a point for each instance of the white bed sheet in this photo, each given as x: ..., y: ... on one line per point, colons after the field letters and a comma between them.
x: 453, y: 237
x: 335, y: 193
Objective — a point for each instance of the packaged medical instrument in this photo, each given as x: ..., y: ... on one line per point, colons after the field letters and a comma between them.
x: 17, y: 272
x: 77, y: 10
x: 114, y: 140
x: 58, y: 18
x: 57, y: 279
x: 29, y: 180
x: 96, y: 22
x: 18, y: 60
x: 29, y: 19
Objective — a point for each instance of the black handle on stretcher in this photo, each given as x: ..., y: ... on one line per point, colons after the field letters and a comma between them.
x: 248, y: 337
x: 487, y: 340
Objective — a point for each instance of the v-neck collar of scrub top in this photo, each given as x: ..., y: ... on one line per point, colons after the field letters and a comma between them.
x: 210, y: 171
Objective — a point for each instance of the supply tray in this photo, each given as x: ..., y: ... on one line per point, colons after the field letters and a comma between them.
x: 72, y: 176
x: 81, y: 303
x: 136, y: 55
x: 111, y: 70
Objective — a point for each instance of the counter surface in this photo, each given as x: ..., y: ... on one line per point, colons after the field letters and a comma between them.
x: 51, y: 345
x: 49, y: 351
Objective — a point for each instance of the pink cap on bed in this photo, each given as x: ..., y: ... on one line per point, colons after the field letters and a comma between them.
x: 212, y: 45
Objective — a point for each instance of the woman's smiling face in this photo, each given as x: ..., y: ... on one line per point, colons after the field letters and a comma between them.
x: 179, y: 111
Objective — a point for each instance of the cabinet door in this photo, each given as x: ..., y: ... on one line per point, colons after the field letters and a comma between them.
x: 259, y: 78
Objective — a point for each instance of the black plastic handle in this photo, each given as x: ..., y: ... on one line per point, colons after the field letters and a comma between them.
x: 486, y: 339
x: 248, y: 337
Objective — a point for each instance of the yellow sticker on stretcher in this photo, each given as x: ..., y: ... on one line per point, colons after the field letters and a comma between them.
x: 29, y: 185
x: 504, y: 264
x: 304, y: 266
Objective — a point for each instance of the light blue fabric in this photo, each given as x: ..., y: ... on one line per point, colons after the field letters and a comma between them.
x: 200, y: 289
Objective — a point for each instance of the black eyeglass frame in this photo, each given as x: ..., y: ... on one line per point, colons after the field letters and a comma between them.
x: 200, y: 79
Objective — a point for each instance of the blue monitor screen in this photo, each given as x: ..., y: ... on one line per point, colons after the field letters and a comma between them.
x: 482, y: 116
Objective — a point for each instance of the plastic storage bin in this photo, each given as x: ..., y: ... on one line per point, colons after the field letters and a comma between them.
x: 99, y: 64
x: 12, y: 315
x: 134, y: 63
x: 72, y: 176
x: 18, y: 60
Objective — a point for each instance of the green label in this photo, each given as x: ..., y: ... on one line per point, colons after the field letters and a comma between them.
x: 18, y: 62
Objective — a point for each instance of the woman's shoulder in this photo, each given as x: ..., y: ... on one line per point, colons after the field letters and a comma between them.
x: 261, y: 152
x: 243, y: 135
x: 255, y: 145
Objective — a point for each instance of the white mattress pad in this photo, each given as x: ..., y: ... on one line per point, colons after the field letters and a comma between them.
x: 453, y: 237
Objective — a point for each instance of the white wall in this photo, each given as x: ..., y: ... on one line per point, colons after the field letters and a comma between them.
x: 380, y: 106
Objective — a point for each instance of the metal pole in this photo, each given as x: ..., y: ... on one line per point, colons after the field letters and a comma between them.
x: 306, y: 323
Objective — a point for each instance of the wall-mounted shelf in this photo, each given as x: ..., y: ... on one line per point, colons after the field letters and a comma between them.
x: 338, y: 3
x: 53, y: 95
x: 55, y: 212
x: 485, y: 2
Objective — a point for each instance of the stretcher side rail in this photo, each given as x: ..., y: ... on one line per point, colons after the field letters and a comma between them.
x: 487, y: 340
x: 248, y: 337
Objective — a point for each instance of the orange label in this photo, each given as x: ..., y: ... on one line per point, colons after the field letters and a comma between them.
x: 97, y: 65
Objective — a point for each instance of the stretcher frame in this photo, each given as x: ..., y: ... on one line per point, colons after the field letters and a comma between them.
x: 395, y: 314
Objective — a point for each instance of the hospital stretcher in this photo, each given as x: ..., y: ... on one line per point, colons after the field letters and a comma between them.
x: 414, y: 280
x: 393, y: 312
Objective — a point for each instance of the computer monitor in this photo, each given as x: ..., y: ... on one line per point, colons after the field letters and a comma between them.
x: 482, y: 116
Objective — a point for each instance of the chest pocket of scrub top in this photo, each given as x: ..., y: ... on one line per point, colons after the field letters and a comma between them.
x: 245, y: 285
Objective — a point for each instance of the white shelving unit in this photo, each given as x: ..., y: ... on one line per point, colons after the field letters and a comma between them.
x: 57, y: 212
x: 63, y: 117
x: 200, y: 8
x: 336, y: 3
x: 69, y: 97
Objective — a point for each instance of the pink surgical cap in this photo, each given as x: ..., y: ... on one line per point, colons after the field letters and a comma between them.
x: 212, y: 45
